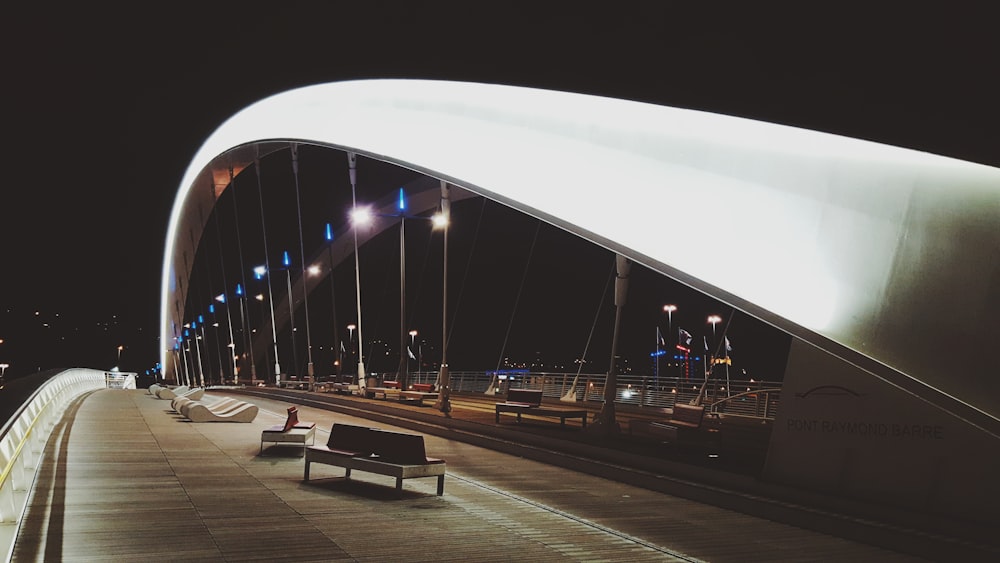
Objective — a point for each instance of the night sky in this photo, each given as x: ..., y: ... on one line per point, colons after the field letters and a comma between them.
x: 104, y: 108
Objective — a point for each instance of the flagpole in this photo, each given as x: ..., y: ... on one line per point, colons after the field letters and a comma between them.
x: 728, y: 390
x: 656, y: 359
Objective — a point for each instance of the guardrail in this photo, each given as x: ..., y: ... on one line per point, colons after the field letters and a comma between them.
x: 23, y: 439
x: 737, y: 397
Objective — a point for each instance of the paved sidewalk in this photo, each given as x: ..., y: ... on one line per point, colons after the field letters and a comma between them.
x: 125, y: 479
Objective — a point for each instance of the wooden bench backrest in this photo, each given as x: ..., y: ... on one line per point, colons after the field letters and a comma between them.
x: 529, y: 396
x: 692, y: 414
x: 423, y: 387
x: 399, y: 447
x: 351, y: 438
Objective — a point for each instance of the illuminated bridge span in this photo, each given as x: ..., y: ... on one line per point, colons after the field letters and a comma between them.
x: 881, y: 263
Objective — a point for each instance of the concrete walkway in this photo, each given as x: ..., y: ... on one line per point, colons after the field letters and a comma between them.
x: 126, y: 479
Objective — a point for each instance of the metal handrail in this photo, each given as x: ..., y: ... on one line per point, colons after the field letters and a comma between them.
x: 641, y: 391
x: 31, y: 425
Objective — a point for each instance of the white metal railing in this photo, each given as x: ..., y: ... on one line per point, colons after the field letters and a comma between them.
x: 737, y: 397
x: 23, y: 440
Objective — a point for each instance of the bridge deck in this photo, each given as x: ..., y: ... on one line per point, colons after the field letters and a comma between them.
x: 125, y: 478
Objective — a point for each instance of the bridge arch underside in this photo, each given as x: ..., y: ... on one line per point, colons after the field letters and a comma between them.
x: 882, y: 263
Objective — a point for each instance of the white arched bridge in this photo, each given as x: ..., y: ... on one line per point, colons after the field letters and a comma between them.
x: 882, y: 263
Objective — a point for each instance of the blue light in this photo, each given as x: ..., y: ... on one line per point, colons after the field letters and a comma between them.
x: 201, y: 319
x: 328, y: 232
x: 211, y: 308
x: 187, y: 333
x: 194, y: 325
x: 402, y: 201
x: 239, y: 289
x: 286, y: 260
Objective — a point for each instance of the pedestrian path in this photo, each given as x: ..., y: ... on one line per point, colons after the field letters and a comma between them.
x: 123, y: 478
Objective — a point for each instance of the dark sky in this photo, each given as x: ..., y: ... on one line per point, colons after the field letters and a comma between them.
x: 105, y: 106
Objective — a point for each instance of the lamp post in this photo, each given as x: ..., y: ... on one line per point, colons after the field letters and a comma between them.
x: 714, y: 320
x: 231, y: 347
x: 119, y: 360
x: 357, y: 215
x: 669, y: 310
x: 258, y: 273
x: 404, y: 361
x: 286, y: 261
x: 197, y: 344
x: 441, y: 220
x: 305, y: 290
x: 328, y: 233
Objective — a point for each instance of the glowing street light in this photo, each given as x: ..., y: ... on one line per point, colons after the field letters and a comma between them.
x: 669, y: 310
x: 120, y: 348
x: 714, y: 319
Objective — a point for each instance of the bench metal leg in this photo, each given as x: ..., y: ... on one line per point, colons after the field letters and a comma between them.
x: 305, y: 477
x: 440, y: 485
x: 399, y: 486
x: 347, y: 475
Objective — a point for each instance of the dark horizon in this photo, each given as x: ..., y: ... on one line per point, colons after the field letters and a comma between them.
x: 104, y: 118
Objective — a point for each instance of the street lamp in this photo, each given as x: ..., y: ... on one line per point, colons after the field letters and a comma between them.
x: 221, y: 298
x: 119, y: 361
x: 286, y: 261
x: 328, y: 233
x: 669, y: 310
x: 258, y: 273
x: 358, y: 217
x: 305, y: 289
x: 714, y: 319
x: 441, y: 220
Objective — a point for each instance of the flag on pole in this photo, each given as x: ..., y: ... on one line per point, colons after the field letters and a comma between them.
x: 410, y: 352
x: 659, y: 337
x: 683, y: 337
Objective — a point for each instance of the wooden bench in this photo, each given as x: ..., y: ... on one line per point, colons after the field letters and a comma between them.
x: 529, y: 401
x: 685, y: 420
x: 292, y: 431
x: 388, y: 388
x: 418, y: 392
x: 395, y: 454
x: 343, y: 385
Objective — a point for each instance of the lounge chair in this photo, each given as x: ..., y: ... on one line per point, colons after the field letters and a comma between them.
x: 218, y: 406
x: 168, y: 393
x: 198, y: 412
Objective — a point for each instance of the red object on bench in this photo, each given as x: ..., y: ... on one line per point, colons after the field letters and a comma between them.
x: 423, y: 387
